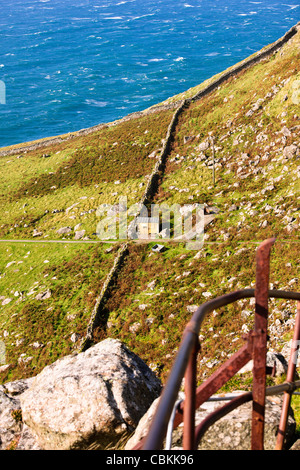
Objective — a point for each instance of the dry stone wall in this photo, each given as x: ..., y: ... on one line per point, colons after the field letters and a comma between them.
x: 98, y: 309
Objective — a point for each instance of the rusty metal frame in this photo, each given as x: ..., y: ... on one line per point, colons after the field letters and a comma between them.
x: 255, y: 348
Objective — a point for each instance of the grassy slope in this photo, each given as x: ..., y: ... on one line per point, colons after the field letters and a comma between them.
x: 252, y: 173
x: 148, y: 306
x: 40, y: 194
x: 37, y: 331
x: 36, y: 192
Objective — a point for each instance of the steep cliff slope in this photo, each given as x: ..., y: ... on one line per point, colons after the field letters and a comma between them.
x: 48, y: 290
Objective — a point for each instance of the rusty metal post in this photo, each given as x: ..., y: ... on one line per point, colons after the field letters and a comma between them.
x: 190, y: 399
x: 289, y: 378
x: 260, y: 343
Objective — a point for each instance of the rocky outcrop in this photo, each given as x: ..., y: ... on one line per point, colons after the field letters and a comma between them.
x: 14, y: 434
x: 93, y: 399
x: 86, y: 400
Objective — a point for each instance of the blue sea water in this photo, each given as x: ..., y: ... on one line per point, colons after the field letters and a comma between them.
x: 72, y: 64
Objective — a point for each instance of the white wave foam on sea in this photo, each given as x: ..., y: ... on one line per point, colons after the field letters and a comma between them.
x: 248, y: 13
x: 103, y: 46
x: 212, y: 54
x: 98, y: 104
x: 292, y: 7
x: 134, y: 18
x: 128, y: 80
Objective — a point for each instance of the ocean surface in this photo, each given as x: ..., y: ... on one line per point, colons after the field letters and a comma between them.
x: 72, y: 64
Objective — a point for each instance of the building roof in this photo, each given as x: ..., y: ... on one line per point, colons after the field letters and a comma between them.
x: 148, y: 220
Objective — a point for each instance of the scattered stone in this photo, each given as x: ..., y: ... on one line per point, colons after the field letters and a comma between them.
x: 188, y: 138
x: 187, y: 209
x: 211, y: 210
x: 290, y: 151
x: 203, y: 146
x: 250, y: 113
x: 71, y: 207
x: 165, y: 233
x: 44, y: 295
x: 286, y: 132
x: 198, y: 255
x: 134, y: 327
x: 206, y: 294
x: 151, y: 284
x: 4, y: 368
x: 257, y: 105
x: 192, y: 308
x: 80, y: 234
x: 64, y: 230
x: 23, y: 359
x: 74, y: 337
x: 37, y: 345
x: 143, y: 306
x: 36, y: 233
x: 10, y: 264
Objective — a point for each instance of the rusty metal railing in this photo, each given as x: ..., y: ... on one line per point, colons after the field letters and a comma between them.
x: 255, y: 348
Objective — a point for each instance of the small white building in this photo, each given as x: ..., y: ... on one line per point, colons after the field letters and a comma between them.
x: 148, y: 227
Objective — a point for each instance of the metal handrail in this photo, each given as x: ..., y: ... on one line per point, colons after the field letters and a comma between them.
x: 185, y: 364
x: 169, y: 395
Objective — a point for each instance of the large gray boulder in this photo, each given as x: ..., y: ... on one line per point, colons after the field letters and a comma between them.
x: 90, y: 399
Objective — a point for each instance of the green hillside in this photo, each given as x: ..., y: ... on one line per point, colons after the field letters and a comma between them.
x: 50, y: 196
